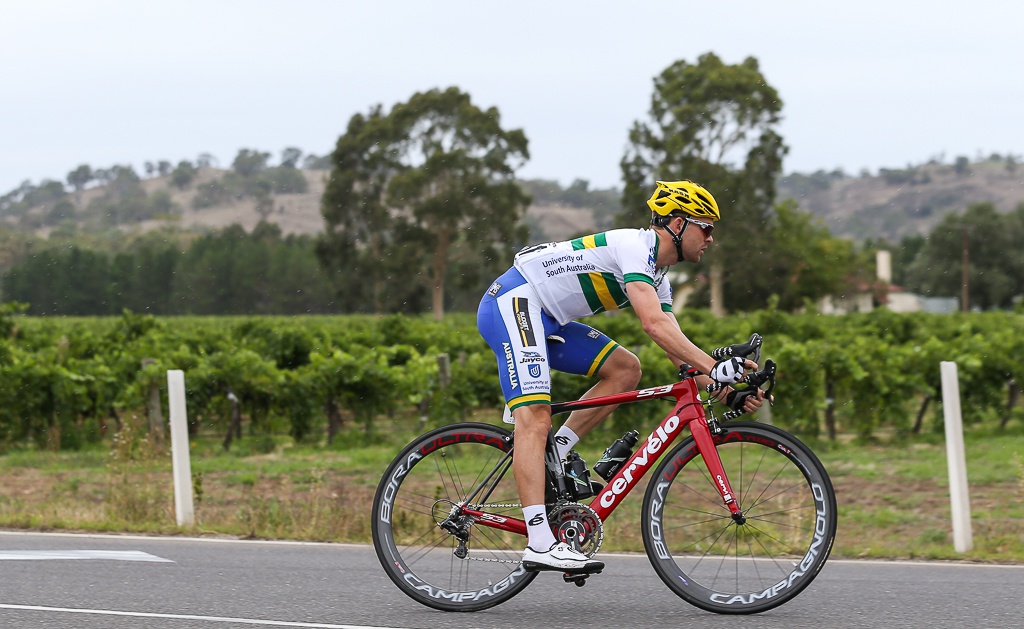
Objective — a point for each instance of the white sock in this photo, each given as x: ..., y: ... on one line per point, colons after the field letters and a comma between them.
x: 537, y: 528
x: 565, y: 439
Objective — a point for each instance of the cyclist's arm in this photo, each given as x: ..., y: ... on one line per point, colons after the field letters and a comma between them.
x: 750, y: 404
x: 663, y: 328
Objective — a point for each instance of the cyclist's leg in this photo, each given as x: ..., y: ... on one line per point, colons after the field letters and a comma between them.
x: 580, y: 349
x: 533, y: 422
x: 511, y: 320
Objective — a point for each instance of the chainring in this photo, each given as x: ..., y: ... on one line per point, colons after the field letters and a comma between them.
x: 578, y: 526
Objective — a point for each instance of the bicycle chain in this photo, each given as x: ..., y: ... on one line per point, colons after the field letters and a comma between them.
x: 497, y: 505
x: 500, y: 505
x: 489, y: 560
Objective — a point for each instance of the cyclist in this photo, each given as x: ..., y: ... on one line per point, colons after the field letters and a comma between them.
x: 527, y: 316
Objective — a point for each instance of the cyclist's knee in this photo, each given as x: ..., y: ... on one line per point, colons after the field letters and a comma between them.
x: 623, y: 367
x: 535, y: 418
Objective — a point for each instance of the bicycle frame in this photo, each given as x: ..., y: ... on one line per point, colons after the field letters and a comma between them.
x: 688, y: 412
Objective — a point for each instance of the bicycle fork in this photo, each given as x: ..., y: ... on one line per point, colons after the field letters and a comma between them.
x: 706, y: 446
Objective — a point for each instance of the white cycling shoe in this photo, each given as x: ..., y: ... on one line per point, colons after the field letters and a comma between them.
x: 560, y: 557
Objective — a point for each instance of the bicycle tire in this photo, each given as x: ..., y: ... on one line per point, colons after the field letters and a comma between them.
x: 419, y: 489
x: 722, y: 566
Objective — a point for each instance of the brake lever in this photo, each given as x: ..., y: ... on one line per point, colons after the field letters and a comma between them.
x: 757, y: 378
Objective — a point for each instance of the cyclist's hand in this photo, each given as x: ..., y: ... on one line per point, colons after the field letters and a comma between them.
x: 745, y: 401
x: 730, y: 370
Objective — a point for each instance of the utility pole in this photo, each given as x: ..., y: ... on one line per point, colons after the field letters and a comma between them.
x: 965, y: 304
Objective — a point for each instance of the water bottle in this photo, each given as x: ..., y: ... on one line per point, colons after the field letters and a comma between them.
x: 577, y: 475
x: 616, y: 455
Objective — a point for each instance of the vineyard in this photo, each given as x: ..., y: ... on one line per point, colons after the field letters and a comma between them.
x: 69, y: 382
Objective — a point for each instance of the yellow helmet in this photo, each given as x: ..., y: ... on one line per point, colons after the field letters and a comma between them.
x: 673, y: 197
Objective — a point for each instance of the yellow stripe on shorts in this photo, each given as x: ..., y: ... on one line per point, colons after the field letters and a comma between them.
x: 526, y: 400
x: 601, y: 357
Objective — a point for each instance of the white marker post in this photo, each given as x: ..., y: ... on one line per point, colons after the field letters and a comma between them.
x: 956, y: 459
x: 179, y: 448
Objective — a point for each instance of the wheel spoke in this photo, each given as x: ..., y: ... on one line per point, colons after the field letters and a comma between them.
x: 419, y: 542
x: 726, y: 565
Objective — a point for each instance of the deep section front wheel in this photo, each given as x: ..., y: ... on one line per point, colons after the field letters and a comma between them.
x: 748, y: 565
x: 433, y: 552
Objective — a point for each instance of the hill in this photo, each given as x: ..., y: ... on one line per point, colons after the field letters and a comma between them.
x: 902, y: 202
x: 47, y: 207
x: 891, y: 204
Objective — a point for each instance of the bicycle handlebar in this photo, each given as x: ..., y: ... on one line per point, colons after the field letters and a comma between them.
x: 751, y: 349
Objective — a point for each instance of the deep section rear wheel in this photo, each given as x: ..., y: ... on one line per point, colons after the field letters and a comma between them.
x: 432, y: 552
x: 718, y: 564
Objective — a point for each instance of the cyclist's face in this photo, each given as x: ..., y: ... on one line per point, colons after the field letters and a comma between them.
x: 696, y: 237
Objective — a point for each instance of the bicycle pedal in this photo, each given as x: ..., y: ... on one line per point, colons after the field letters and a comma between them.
x: 578, y: 580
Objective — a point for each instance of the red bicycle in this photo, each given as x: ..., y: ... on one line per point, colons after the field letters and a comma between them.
x: 738, y: 518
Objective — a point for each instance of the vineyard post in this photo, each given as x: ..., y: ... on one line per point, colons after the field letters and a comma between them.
x: 179, y: 448
x: 956, y: 460
x: 156, y: 419
x: 444, y: 371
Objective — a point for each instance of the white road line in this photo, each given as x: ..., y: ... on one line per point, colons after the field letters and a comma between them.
x: 114, y: 555
x: 243, y: 621
x: 181, y: 538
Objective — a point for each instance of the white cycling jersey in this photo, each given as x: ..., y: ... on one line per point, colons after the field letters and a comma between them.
x: 588, y: 275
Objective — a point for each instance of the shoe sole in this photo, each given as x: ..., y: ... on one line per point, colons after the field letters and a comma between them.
x: 594, y: 568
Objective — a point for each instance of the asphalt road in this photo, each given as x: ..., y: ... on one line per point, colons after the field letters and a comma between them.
x: 117, y: 582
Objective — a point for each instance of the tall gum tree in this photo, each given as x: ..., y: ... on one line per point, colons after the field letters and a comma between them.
x: 407, y: 189
x: 356, y: 217
x: 715, y: 124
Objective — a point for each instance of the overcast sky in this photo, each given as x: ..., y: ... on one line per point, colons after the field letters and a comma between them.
x: 865, y: 84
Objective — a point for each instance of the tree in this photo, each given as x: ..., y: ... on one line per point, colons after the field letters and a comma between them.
x: 714, y: 124
x: 409, y: 186
x: 290, y: 157
x: 808, y: 263
x: 183, y: 174
x: 995, y: 267
x: 314, y: 162
x: 264, y: 202
x: 962, y: 165
x: 232, y: 272
x: 358, y: 223
x: 206, y: 160
x: 70, y: 281
x: 249, y: 162
x: 62, y: 210
x: 80, y: 177
x: 124, y: 200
